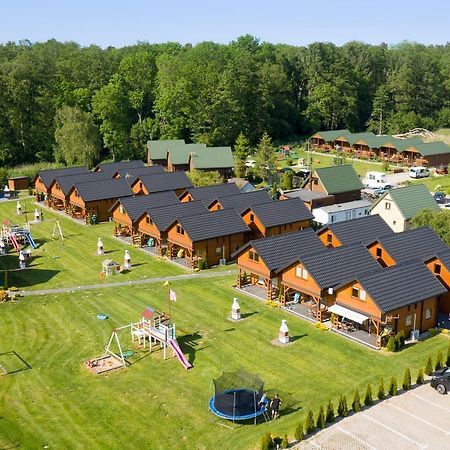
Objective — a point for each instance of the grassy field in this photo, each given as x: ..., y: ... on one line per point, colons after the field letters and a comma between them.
x: 436, y: 183
x: 74, y: 261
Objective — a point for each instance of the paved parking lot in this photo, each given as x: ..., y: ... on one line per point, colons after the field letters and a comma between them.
x: 418, y: 419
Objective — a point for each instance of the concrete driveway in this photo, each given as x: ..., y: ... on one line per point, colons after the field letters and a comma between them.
x: 417, y: 419
x: 397, y: 178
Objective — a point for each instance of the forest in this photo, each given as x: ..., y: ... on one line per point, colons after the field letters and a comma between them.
x: 75, y: 105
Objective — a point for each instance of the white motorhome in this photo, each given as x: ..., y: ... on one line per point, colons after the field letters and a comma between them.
x: 419, y: 172
x: 376, y: 180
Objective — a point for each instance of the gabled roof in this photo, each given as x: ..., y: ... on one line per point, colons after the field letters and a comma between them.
x: 403, y: 144
x: 304, y: 194
x: 410, y: 200
x: 330, y: 135
x: 158, y: 149
x: 415, y: 243
x: 66, y: 182
x: 278, y: 251
x: 366, y: 137
x: 165, y: 216
x: 165, y: 181
x: 135, y: 206
x: 212, y: 158
x: 431, y: 148
x: 209, y: 193
x: 213, y: 224
x: 243, y: 201
x: 112, y: 167
x: 330, y: 267
x: 47, y: 176
x: 103, y: 189
x: 132, y: 174
x: 400, y: 285
x: 337, y: 179
x: 362, y: 229
x: 281, y: 212
x: 346, y: 206
x: 179, y: 154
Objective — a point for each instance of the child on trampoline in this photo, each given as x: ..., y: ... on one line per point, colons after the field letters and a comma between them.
x: 263, y: 401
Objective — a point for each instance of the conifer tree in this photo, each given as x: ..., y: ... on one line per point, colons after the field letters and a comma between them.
x: 320, y: 422
x: 393, y: 386
x: 438, y: 364
x: 368, y: 400
x: 406, y: 385
x: 299, y: 434
x: 429, y: 367
x: 356, y: 403
x: 381, y: 392
x: 419, y: 379
x: 329, y: 417
x: 285, y: 442
x: 310, y: 426
x: 391, y: 344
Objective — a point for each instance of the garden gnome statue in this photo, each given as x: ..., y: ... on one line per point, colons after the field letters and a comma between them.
x: 2, y: 247
x: 18, y: 208
x: 127, y: 260
x: 37, y: 215
x: 21, y: 260
x: 235, y: 309
x: 100, y: 250
x: 283, y: 334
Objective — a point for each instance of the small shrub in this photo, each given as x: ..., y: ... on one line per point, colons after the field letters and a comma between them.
x: 266, y: 442
x: 438, y: 364
x: 320, y: 422
x: 381, y: 392
x: 391, y: 344
x: 310, y: 426
x: 401, y: 339
x: 342, y: 407
x: 368, y: 400
x: 285, y: 442
x: 4, y: 297
x: 419, y: 379
x: 201, y: 264
x: 299, y: 434
x: 329, y: 417
x: 13, y: 288
x: 356, y: 403
x: 321, y: 326
x: 406, y: 385
x: 429, y: 367
x: 393, y: 386
x: 447, y: 361
x: 434, y: 331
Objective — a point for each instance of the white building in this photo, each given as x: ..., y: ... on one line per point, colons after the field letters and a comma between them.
x: 341, y: 211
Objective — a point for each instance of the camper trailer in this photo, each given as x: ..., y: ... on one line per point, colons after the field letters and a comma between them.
x: 375, y: 180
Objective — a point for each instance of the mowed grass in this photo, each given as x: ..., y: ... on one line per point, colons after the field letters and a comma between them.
x: 435, y: 183
x: 158, y: 404
x: 73, y: 261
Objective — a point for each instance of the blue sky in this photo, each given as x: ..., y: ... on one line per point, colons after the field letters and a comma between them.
x: 118, y: 23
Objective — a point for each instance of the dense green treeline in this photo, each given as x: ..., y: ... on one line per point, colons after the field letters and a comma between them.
x: 63, y: 102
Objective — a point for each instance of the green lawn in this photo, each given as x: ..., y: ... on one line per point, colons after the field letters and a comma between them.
x: 74, y: 261
x: 157, y: 404
x: 441, y: 182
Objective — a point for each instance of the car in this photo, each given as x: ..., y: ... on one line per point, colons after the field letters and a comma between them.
x: 440, y: 198
x: 303, y: 173
x: 250, y: 163
x: 440, y: 380
x: 381, y: 190
x: 419, y: 172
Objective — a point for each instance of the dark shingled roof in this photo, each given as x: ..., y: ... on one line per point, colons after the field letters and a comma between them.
x: 113, y: 167
x: 363, y: 229
x: 135, y: 206
x: 281, y: 212
x: 67, y: 182
x: 213, y: 224
x: 165, y: 181
x: 131, y: 175
x: 47, y: 176
x: 243, y: 201
x: 278, y: 251
x: 332, y: 266
x: 416, y: 243
x: 103, y: 189
x: 167, y: 215
x: 209, y: 193
x: 400, y: 285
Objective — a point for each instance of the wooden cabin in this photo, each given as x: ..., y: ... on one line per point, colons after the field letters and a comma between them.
x: 18, y: 183
x: 311, y: 199
x: 149, y: 184
x: 208, y: 194
x: 241, y: 202
x: 44, y: 178
x: 433, y: 154
x: 111, y: 168
x: 127, y: 210
x: 397, y: 207
x: 259, y: 260
x: 131, y: 175
x: 324, y: 140
x: 154, y: 222
x: 439, y: 266
x: 340, y: 181
x: 278, y: 217
x: 313, y: 276
x: 364, y: 229
x: 178, y: 156
x: 157, y: 151
x: 404, y: 298
x: 217, y: 159
x: 96, y: 198
x: 211, y: 237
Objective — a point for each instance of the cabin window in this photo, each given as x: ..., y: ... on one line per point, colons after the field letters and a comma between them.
x: 329, y: 238
x: 362, y: 295
x: 437, y: 269
x: 149, y: 220
x: 316, y: 181
x: 180, y: 229
x: 140, y: 184
x: 379, y: 252
x: 394, y: 222
x: 428, y: 312
x: 252, y: 217
x: 355, y: 292
x: 218, y: 251
x: 57, y: 186
x: 300, y: 272
x: 253, y: 256
x: 387, y: 205
x: 121, y: 209
x: 332, y: 218
x: 408, y: 320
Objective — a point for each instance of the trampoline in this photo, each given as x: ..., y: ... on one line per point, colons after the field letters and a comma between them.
x: 237, y: 396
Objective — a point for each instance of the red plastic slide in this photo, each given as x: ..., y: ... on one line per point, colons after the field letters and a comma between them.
x: 14, y: 242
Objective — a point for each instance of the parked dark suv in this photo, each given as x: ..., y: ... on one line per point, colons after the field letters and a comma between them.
x: 441, y: 380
